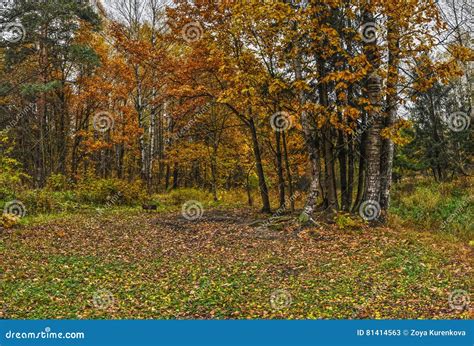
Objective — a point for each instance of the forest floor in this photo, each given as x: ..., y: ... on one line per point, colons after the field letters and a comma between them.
x: 159, y: 265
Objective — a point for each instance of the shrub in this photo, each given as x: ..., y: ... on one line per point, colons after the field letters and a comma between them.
x: 180, y: 196
x: 8, y: 220
x: 443, y: 206
x: 346, y: 221
x: 46, y: 201
x: 11, y: 175
x: 58, y: 182
x: 87, y: 194
x: 101, y: 191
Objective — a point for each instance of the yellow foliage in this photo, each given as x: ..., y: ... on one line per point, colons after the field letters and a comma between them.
x: 8, y: 220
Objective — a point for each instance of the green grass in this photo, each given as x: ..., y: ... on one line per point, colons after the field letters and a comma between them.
x: 98, y: 260
x: 446, y: 207
x: 154, y: 267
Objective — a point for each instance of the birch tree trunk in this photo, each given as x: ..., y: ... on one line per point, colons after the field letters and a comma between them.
x: 374, y: 141
x: 310, y: 141
x: 386, y: 161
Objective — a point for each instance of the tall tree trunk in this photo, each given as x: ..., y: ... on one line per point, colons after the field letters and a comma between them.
x: 248, y: 187
x: 362, y: 166
x: 161, y: 143
x: 342, y: 157
x: 167, y: 177
x: 309, y: 134
x: 350, y: 174
x: 61, y: 133
x: 386, y: 162
x: 288, y: 172
x: 175, y: 176
x: 374, y: 141
x: 139, y: 108
x: 281, y: 179
x: 43, y: 63
x: 260, y: 173
x: 120, y: 155
x: 330, y: 177
x: 214, y: 172
x: 151, y: 151
x: 437, y: 137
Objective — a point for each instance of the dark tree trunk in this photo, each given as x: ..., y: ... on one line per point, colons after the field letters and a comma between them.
x: 214, y: 173
x: 342, y: 157
x: 330, y: 176
x: 260, y: 173
x: 248, y: 188
x: 167, y: 177
x: 281, y: 179
x: 175, y: 176
x: 288, y: 173
x: 350, y: 175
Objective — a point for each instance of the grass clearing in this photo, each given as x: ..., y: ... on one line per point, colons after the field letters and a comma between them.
x: 130, y: 264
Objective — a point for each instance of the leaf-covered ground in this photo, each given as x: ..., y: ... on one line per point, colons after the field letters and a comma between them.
x: 151, y: 265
